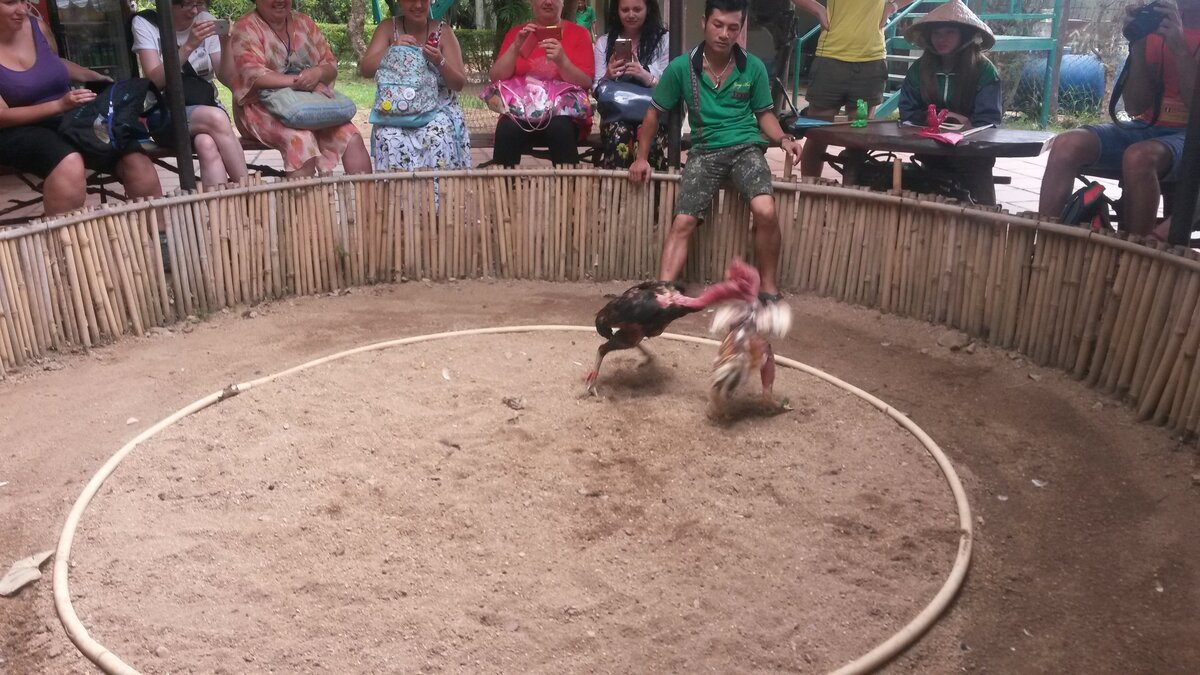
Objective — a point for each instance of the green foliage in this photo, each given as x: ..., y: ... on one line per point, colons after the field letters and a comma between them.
x: 477, y: 48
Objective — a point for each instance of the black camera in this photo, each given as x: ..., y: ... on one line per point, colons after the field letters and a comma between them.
x: 1144, y: 22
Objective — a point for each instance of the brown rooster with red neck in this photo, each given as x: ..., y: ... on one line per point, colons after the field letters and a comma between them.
x: 747, y: 322
x: 647, y: 309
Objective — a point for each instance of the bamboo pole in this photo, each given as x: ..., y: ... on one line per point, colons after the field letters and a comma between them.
x: 1132, y: 335
x: 125, y: 276
x: 67, y: 332
x: 105, y: 272
x: 32, y: 286
x: 10, y: 305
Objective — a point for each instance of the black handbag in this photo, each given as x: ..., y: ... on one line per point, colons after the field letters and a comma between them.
x: 620, y: 101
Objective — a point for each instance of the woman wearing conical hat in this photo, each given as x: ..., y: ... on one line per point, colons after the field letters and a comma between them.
x: 953, y: 74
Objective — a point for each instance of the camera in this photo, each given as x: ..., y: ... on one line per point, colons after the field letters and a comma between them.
x: 1144, y: 22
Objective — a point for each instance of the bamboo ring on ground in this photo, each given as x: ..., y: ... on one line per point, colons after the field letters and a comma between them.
x: 879, y: 655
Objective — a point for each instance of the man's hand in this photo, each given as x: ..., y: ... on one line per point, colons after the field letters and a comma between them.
x: 792, y: 147
x: 1171, y: 28
x: 639, y: 171
x: 823, y: 18
x: 75, y: 98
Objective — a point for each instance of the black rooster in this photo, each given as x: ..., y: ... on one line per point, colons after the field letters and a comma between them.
x: 646, y: 310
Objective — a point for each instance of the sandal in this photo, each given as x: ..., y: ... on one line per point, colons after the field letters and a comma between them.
x: 768, y: 298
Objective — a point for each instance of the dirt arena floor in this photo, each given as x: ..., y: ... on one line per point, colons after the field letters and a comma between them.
x: 457, y: 506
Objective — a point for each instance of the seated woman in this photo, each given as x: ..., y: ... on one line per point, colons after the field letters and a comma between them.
x: 200, y: 47
x: 567, y: 61
x: 426, y: 131
x: 640, y: 22
x: 954, y: 75
x: 35, y: 91
x: 274, y: 47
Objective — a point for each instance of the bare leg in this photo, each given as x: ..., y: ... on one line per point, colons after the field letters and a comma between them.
x: 674, y: 253
x: 1141, y: 166
x: 65, y: 189
x: 812, y: 158
x: 138, y: 175
x: 227, y: 150
x: 356, y: 159
x: 767, y: 240
x: 1071, y: 152
x: 309, y: 168
x: 212, y: 169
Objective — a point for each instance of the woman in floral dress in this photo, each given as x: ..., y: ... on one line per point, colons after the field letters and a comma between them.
x: 418, y: 64
x: 274, y: 47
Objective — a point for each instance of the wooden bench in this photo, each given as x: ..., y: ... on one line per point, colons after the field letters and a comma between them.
x: 100, y: 182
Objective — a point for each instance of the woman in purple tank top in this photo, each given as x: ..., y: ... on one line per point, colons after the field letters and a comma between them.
x: 35, y: 91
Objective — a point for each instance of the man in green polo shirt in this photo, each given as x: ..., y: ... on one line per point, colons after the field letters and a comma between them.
x: 735, y: 114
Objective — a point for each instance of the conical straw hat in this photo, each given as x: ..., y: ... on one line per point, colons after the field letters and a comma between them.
x: 953, y: 12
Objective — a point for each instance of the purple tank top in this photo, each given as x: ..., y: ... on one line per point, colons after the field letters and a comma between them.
x: 45, y: 81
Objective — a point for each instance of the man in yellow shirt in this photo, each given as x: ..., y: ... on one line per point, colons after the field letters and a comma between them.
x: 849, y: 63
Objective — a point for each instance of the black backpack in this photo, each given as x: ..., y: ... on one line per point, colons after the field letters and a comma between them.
x: 114, y: 123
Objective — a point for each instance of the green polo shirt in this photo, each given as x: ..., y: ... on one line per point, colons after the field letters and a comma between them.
x: 727, y: 115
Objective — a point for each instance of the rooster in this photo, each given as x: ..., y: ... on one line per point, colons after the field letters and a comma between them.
x: 747, y: 322
x: 646, y: 310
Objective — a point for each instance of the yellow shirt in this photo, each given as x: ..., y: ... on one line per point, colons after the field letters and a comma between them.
x: 854, y: 34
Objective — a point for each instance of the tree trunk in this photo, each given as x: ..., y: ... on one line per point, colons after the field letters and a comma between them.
x: 358, y: 13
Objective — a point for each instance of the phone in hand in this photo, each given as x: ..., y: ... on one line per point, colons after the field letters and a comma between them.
x: 548, y: 33
x: 434, y: 38
x: 222, y: 26
x: 623, y: 49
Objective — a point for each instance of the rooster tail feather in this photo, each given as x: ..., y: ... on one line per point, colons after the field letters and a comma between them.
x: 774, y: 319
x: 727, y: 316
x: 729, y: 372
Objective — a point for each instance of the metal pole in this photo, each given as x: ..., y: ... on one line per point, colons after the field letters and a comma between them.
x: 1058, y: 28
x: 675, y: 44
x: 173, y: 73
x: 1183, y: 220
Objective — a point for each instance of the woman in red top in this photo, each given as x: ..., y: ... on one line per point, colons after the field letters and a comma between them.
x: 568, y: 60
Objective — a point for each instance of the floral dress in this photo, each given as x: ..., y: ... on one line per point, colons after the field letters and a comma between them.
x: 257, y: 50
x: 442, y: 143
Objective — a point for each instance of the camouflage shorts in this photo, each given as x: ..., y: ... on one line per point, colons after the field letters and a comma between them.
x: 745, y: 165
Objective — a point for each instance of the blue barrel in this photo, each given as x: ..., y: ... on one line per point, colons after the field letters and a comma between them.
x: 1080, y: 84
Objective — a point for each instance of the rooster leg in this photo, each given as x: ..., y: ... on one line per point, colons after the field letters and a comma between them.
x: 591, y: 378
x: 768, y: 377
x: 646, y: 353
x: 622, y: 340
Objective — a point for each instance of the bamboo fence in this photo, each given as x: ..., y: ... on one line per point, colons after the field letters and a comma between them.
x: 1118, y: 314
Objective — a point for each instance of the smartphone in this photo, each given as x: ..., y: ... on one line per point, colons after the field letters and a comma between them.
x: 623, y: 49
x: 435, y: 37
x: 548, y: 33
x: 222, y: 26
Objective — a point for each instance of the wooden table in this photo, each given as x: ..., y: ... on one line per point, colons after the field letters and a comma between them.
x: 889, y: 136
